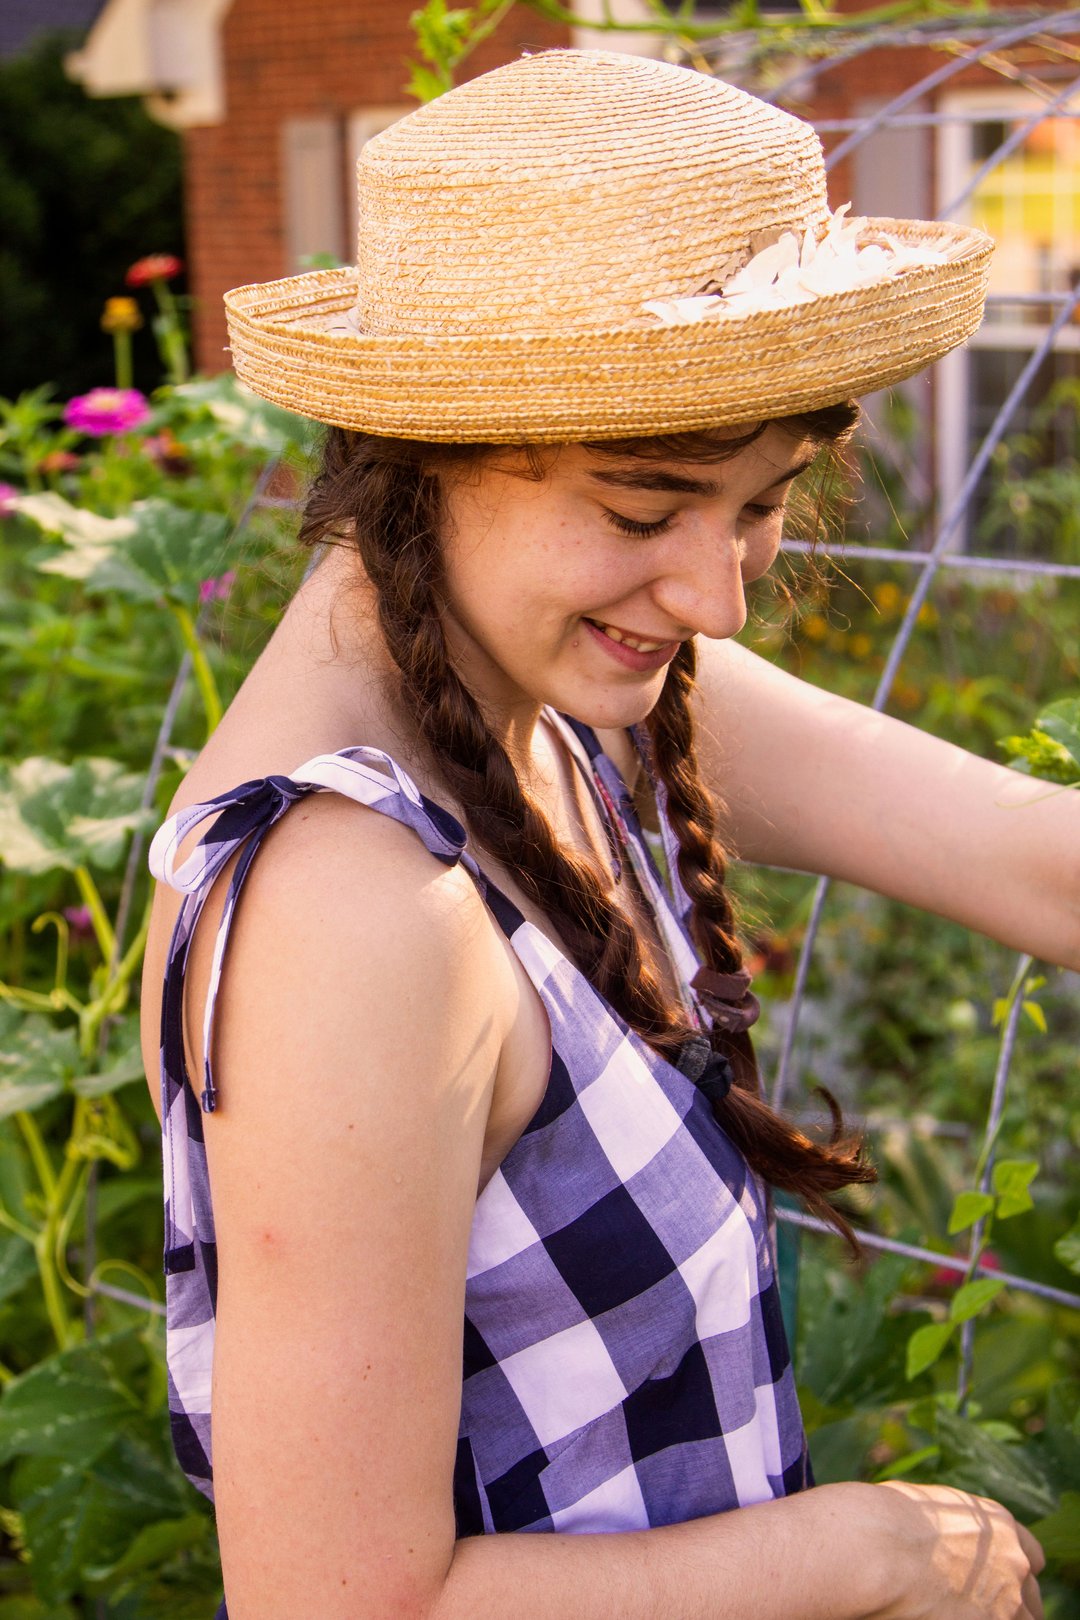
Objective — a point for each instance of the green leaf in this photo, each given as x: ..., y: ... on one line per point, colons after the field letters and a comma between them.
x: 1059, y: 1532
x: 83, y: 1518
x: 968, y: 1208
x: 975, y: 1461
x: 908, y: 1463
x: 74, y: 524
x: 17, y: 1267
x: 1061, y: 722
x: 32, y: 1608
x: 152, y: 1546
x: 234, y: 414
x: 973, y: 1297
x: 69, y: 1406
x: 1036, y: 1014
x: 925, y: 1346
x: 63, y: 816
x: 37, y: 1061
x: 1039, y: 755
x: 1067, y: 1248
x: 166, y: 552
x: 124, y: 1069
x: 1011, y: 1180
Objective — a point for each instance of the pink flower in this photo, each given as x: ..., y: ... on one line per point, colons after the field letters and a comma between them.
x: 216, y: 590
x: 8, y: 496
x: 79, y: 921
x: 155, y: 267
x: 107, y: 410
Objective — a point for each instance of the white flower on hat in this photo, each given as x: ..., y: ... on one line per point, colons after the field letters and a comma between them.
x: 790, y: 271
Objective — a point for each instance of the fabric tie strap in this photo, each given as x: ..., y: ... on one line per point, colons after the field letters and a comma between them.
x: 727, y: 998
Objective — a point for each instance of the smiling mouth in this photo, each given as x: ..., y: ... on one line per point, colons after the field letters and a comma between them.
x: 637, y: 643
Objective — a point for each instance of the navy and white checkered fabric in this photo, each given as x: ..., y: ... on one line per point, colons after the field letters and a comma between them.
x: 625, y: 1363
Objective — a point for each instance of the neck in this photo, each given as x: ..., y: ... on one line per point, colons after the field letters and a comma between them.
x: 332, y: 622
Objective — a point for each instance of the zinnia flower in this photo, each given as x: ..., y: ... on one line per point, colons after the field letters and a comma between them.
x: 216, y: 590
x: 107, y: 410
x: 121, y: 315
x: 155, y: 267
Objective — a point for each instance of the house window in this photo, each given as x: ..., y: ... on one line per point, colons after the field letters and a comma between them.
x: 314, y: 191
x: 1030, y: 203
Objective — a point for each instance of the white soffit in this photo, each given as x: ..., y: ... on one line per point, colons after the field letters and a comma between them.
x: 168, y: 51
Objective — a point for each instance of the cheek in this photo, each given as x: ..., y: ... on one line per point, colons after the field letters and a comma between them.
x: 762, y: 551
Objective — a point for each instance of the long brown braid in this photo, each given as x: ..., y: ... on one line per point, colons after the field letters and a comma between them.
x: 387, y: 494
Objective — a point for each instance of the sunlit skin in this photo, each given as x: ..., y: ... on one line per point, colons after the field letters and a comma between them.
x: 661, y: 551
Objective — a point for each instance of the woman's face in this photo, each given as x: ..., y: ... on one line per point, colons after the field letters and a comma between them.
x: 576, y: 590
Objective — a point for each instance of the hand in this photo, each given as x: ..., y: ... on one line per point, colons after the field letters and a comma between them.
x: 965, y: 1557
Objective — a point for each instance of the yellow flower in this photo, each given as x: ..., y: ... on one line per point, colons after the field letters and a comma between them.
x: 814, y: 627
x: 928, y: 613
x: 888, y: 596
x: 861, y: 646
x: 121, y: 315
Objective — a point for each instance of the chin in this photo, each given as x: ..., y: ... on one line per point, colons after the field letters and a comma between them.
x: 614, y: 710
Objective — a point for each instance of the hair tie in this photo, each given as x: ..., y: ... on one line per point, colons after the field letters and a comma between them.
x: 727, y: 998
x: 710, y: 1071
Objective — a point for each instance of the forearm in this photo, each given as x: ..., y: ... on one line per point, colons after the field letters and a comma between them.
x: 804, y: 1557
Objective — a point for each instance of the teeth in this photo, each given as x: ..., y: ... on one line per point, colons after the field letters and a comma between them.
x: 631, y: 641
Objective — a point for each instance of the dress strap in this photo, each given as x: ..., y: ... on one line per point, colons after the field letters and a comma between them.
x: 670, y: 908
x: 241, y: 820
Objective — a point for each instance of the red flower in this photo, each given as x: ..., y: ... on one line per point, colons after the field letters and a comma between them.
x: 945, y: 1278
x: 155, y: 267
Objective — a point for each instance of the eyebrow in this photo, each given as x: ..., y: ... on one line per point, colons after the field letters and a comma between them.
x: 678, y: 483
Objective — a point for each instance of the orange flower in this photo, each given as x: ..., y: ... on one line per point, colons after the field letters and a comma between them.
x: 121, y: 315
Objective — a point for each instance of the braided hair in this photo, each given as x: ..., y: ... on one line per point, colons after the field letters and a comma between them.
x: 387, y: 494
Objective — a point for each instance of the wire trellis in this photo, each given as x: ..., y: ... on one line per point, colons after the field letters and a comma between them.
x: 912, y: 109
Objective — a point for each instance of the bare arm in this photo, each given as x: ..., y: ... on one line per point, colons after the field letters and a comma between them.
x: 821, y: 784
x: 364, y: 1008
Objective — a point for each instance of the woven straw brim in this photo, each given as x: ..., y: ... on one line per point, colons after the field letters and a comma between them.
x: 619, y: 382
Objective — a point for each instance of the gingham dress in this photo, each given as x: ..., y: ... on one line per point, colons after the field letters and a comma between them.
x: 625, y: 1363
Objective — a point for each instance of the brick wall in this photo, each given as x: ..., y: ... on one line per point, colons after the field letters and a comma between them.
x: 288, y: 59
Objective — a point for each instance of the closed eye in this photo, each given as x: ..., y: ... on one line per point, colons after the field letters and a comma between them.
x: 761, y: 511
x: 640, y: 531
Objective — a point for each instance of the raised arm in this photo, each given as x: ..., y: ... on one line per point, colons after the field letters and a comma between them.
x: 818, y: 783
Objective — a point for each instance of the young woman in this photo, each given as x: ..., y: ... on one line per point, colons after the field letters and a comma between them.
x: 460, y: 1056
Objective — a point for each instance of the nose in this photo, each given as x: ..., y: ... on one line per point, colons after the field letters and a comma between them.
x: 701, y: 586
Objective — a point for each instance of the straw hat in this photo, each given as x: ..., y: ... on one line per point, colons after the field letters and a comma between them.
x: 590, y: 245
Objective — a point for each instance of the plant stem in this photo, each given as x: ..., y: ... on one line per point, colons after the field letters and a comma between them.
x: 88, y: 890
x: 204, y: 675
x: 173, y: 345
x: 15, y: 1226
x: 122, y: 358
x: 39, y: 1153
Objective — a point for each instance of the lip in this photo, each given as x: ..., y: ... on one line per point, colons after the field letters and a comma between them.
x: 642, y: 662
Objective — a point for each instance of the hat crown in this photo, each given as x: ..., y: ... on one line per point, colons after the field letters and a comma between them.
x: 566, y: 189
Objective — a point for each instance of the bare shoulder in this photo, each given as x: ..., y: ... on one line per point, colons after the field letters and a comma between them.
x: 345, y: 920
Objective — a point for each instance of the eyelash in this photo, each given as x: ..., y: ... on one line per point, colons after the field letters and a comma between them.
x: 647, y: 531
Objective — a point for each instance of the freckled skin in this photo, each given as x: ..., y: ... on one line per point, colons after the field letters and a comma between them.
x: 527, y: 561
